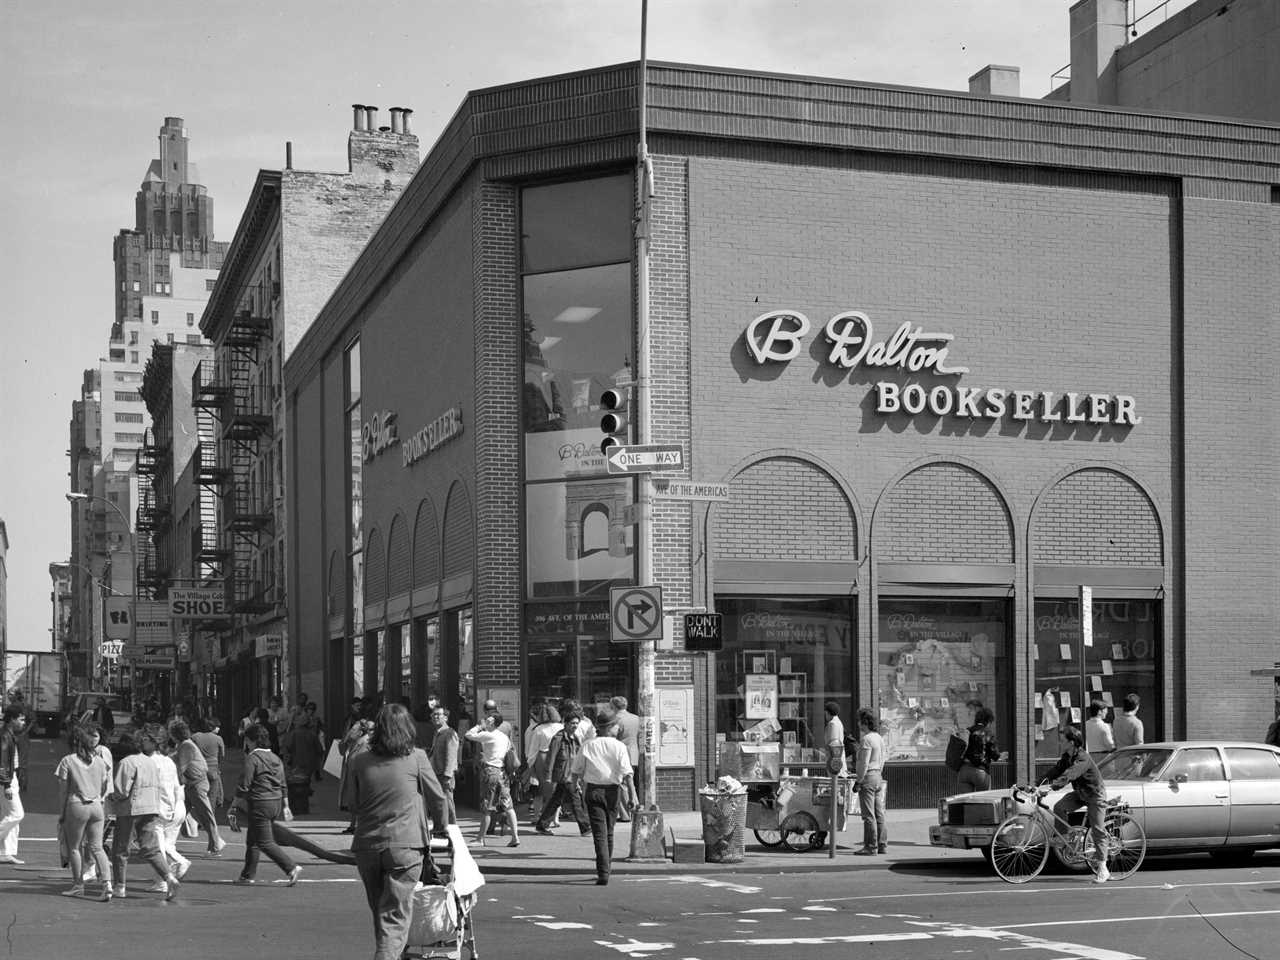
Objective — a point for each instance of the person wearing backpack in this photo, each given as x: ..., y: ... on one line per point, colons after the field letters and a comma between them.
x: 565, y: 745
x: 975, y: 771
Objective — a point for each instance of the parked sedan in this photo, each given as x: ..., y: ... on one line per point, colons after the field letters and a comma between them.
x: 1218, y: 797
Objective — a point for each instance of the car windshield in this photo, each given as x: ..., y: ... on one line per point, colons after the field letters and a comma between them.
x: 1134, y: 763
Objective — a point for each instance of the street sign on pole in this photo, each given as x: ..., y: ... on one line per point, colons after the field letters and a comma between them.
x: 645, y: 458
x: 665, y: 488
x: 635, y: 614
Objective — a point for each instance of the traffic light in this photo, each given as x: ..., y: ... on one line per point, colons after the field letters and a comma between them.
x: 614, y: 422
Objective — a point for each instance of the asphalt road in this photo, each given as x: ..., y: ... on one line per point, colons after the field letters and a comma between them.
x: 929, y: 908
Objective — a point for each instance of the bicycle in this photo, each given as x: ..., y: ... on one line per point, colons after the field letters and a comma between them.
x: 1020, y: 847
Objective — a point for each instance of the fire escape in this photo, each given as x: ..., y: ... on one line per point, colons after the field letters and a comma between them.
x: 232, y: 408
x: 153, y: 517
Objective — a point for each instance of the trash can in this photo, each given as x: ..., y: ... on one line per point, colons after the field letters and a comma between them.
x: 724, y: 825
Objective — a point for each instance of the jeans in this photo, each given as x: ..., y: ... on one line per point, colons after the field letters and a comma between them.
x: 260, y: 836
x: 602, y: 811
x: 974, y: 778
x: 148, y: 826
x: 11, y: 814
x: 563, y: 792
x: 389, y: 877
x: 872, y: 793
x: 1094, y: 817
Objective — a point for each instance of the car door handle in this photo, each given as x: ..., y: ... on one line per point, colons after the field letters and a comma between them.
x: 1220, y: 796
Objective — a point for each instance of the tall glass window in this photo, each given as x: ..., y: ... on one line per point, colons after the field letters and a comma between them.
x: 426, y: 643
x: 938, y: 661
x: 783, y: 658
x: 577, y: 341
x: 1069, y: 675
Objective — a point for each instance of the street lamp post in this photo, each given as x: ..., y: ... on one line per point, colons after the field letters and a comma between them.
x: 133, y: 553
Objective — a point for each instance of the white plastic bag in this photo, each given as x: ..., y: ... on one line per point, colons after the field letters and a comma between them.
x: 433, y: 916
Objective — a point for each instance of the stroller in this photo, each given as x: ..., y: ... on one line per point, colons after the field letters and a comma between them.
x: 441, y: 925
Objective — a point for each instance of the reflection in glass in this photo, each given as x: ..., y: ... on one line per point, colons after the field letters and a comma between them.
x: 576, y: 537
x: 426, y: 637
x: 589, y: 671
x: 465, y: 656
x: 357, y: 666
x: 938, y: 660
x: 1068, y: 675
x: 380, y: 660
x: 576, y: 224
x: 399, y: 636
x: 577, y: 344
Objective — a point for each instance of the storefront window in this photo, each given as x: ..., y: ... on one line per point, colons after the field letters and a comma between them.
x: 399, y: 637
x: 357, y: 667
x: 426, y: 639
x: 938, y: 661
x: 576, y: 541
x: 465, y: 658
x: 783, y: 658
x: 380, y: 662
x: 589, y: 670
x: 1068, y: 675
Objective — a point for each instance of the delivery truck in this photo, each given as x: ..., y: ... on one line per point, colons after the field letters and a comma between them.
x: 41, y: 680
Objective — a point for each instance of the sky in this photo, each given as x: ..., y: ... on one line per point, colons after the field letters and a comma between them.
x: 87, y: 87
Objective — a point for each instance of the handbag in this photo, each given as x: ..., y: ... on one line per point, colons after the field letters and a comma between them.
x: 433, y: 916
x: 190, y: 828
x: 956, y: 747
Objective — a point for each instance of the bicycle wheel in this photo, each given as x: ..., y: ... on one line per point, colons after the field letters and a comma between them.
x: 1019, y: 848
x: 798, y: 830
x: 768, y: 838
x: 1126, y: 845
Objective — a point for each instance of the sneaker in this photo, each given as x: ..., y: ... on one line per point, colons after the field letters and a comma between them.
x: 514, y: 842
x: 244, y: 881
x: 181, y: 870
x: 91, y: 874
x: 602, y: 881
x: 882, y: 849
x: 158, y: 887
x: 171, y: 884
x: 8, y: 859
x: 76, y: 890
x: 105, y: 895
x: 293, y: 876
x: 1103, y: 874
x: 865, y: 852
x: 543, y: 830
x: 218, y: 847
x: 118, y: 892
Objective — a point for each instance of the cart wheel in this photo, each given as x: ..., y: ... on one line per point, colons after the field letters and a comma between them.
x: 768, y: 838
x: 797, y: 831
x: 818, y: 840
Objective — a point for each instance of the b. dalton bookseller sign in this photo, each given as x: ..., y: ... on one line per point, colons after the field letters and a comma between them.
x: 777, y: 337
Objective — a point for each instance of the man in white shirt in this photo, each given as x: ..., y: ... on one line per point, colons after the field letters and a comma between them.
x: 603, y: 768
x: 495, y: 792
x: 1127, y: 727
x: 1097, y: 732
x: 872, y: 790
x: 833, y: 735
x: 172, y: 813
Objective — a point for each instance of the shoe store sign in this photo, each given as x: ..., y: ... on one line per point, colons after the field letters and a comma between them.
x: 778, y: 336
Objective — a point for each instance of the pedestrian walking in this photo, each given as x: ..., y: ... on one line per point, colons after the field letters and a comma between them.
x: 538, y: 742
x: 975, y: 770
x: 171, y: 815
x: 564, y: 749
x: 872, y: 790
x: 395, y: 791
x: 137, y: 797
x: 303, y: 756
x: 100, y: 750
x: 1127, y: 728
x: 444, y: 761
x: 11, y: 812
x: 354, y: 743
x: 629, y: 734
x: 260, y: 800
x: 84, y: 783
x: 495, y: 790
x: 603, y: 768
x: 194, y: 774
x: 214, y: 750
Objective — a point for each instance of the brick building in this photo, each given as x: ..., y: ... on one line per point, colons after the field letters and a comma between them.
x: 299, y: 233
x: 955, y: 357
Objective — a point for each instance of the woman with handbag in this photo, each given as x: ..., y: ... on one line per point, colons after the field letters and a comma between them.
x: 980, y: 750
x: 85, y: 781
x: 260, y: 798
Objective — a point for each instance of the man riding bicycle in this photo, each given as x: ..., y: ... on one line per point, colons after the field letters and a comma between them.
x: 1087, y: 790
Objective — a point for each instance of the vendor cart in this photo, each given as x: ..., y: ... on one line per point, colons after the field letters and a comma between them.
x: 795, y: 811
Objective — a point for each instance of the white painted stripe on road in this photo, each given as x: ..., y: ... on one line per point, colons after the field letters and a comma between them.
x: 764, y: 910
x: 1089, y: 921
x: 701, y: 881
x: 561, y: 925
x: 635, y: 948
x: 1054, y: 890
x: 825, y: 941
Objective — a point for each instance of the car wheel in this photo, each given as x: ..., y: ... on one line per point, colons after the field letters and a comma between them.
x: 1232, y: 856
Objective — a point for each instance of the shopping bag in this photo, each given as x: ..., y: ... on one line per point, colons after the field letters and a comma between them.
x: 433, y: 915
x: 190, y: 829
x: 956, y: 747
x: 333, y: 760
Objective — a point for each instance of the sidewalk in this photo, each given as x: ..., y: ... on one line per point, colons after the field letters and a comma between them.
x: 320, y: 834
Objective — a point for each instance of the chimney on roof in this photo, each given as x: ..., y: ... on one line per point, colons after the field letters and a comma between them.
x: 357, y: 116
x: 395, y: 119
x: 370, y: 118
x: 405, y: 113
x: 1098, y: 29
x: 995, y: 81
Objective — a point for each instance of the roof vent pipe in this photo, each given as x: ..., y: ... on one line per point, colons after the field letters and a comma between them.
x: 288, y: 154
x: 357, y: 116
x: 395, y: 119
x: 370, y: 118
x: 404, y: 120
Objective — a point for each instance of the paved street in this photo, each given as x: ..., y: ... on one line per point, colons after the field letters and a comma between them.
x: 540, y: 902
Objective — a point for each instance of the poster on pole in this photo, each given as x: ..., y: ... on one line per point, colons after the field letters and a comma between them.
x: 675, y: 726
x: 1086, y: 614
x: 117, y: 619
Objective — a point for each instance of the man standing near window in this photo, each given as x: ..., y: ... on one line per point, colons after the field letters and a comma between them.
x: 872, y: 790
x: 833, y: 737
x: 1127, y: 728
